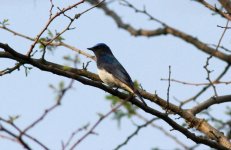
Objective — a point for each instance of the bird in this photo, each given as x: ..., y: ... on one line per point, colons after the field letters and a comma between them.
x: 111, y: 71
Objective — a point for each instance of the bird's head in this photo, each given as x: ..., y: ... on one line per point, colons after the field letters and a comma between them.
x: 100, y: 49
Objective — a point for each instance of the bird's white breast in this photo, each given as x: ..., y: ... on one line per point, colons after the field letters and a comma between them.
x: 110, y: 80
x: 106, y: 77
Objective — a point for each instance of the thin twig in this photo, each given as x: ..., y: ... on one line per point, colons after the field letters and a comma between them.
x: 128, y: 4
x: 91, y: 130
x: 197, y: 84
x: 18, y: 138
x: 65, y: 145
x: 9, y: 70
x: 210, y: 57
x: 52, y: 6
x: 168, y: 90
x: 11, y: 123
x: 135, y: 133
x: 49, y: 22
x: 51, y: 44
x: 214, y: 9
x: 164, y: 131
x: 47, y: 111
x: 205, y: 88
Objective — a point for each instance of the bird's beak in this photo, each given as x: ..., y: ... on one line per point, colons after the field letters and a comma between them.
x: 91, y: 48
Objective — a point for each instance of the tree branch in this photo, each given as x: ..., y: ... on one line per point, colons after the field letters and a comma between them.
x: 49, y: 43
x: 98, y: 122
x: 91, y: 79
x: 135, y: 133
x: 226, y: 4
x: 214, y: 9
x: 206, y: 87
x: 49, y: 22
x: 164, y: 131
x: 213, y: 100
x: 163, y: 31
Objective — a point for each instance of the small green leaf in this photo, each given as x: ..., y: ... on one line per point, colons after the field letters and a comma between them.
x: 5, y: 22
x: 100, y: 115
x: 118, y: 115
x: 59, y: 39
x: 50, y: 34
x: 13, y: 118
x: 114, y: 99
x: 61, y: 85
x: 136, y: 84
x: 127, y: 110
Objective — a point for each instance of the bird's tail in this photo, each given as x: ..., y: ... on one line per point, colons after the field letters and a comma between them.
x: 140, y: 97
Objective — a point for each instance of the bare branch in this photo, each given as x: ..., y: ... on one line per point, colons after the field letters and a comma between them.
x: 226, y: 4
x: 49, y: 22
x: 197, y: 84
x: 164, y: 131
x: 163, y: 31
x: 18, y: 138
x: 135, y: 133
x: 169, y: 85
x: 206, y: 87
x: 17, y: 33
x: 65, y: 145
x: 102, y: 117
x: 11, y: 123
x: 9, y: 70
x: 77, y: 50
x: 213, y: 100
x: 47, y: 111
x: 51, y: 9
x: 214, y: 9
x: 210, y: 57
x: 39, y: 119
x: 9, y: 138
x: 51, y: 44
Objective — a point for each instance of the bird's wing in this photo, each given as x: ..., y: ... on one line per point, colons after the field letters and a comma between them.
x: 117, y: 70
x: 113, y: 66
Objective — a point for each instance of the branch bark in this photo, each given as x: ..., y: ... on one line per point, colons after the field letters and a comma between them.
x: 213, y: 100
x: 226, y: 4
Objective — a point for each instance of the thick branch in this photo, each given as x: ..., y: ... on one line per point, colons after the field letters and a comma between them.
x: 214, y: 9
x: 91, y: 79
x: 226, y: 4
x: 213, y: 100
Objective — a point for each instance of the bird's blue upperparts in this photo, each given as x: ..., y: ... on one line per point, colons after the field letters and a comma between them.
x: 111, y: 71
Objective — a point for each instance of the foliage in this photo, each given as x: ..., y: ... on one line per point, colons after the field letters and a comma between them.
x: 5, y: 22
